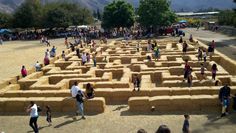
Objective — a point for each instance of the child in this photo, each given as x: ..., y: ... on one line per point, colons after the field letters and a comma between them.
x: 204, y: 56
x: 185, y: 47
x: 199, y: 54
x: 186, y: 124
x: 95, y: 60
x: 149, y: 58
x: 213, y: 70
x: 190, y: 78
x: 202, y: 71
x: 38, y: 67
x: 137, y: 47
x: 136, y: 83
x: 23, y: 71
x: 48, y: 115
x: 186, y: 70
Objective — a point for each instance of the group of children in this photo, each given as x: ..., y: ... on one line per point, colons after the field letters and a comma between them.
x: 188, y: 72
x: 152, y: 47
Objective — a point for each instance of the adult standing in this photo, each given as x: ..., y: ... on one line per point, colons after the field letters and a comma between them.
x: 224, y: 97
x: 78, y: 95
x: 33, y: 110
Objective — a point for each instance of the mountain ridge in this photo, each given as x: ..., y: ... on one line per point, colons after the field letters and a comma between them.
x: 176, y: 5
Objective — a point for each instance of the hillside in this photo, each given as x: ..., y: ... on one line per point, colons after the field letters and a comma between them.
x: 176, y: 5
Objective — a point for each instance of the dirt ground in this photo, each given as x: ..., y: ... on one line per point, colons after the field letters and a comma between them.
x: 117, y: 119
x: 224, y: 44
x: 14, y: 54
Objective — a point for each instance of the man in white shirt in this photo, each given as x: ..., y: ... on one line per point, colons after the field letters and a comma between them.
x: 33, y: 109
x: 74, y: 89
x: 78, y: 95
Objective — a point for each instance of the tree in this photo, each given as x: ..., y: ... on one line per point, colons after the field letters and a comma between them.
x: 155, y: 13
x: 58, y: 15
x: 5, y: 20
x: 94, y: 14
x: 118, y: 14
x: 98, y: 14
x: 27, y: 15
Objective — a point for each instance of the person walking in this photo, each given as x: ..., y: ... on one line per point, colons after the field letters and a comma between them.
x: 190, y: 78
x: 185, y: 128
x: 199, y: 54
x: 224, y: 97
x: 84, y: 58
x: 78, y: 95
x: 213, y: 70
x: 94, y: 59
x: 204, y: 56
x: 33, y: 110
x: 185, y: 47
x: 48, y: 115
x: 156, y: 52
x: 186, y: 70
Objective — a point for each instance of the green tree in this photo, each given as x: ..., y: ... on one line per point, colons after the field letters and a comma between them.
x: 5, y: 20
x: 118, y: 14
x: 98, y: 14
x: 227, y: 17
x: 94, y: 14
x: 28, y: 15
x: 65, y: 14
x: 155, y: 13
x: 56, y: 17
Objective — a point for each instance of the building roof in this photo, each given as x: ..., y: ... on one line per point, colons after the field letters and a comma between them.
x: 195, y: 14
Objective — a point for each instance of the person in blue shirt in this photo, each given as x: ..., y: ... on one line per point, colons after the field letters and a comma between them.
x: 185, y: 128
x: 224, y: 97
x: 53, y: 51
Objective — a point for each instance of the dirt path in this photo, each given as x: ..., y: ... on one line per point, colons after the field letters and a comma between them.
x: 116, y: 119
x: 224, y: 44
x: 14, y: 54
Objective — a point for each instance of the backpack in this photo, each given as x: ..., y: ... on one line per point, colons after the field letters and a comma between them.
x: 79, y: 97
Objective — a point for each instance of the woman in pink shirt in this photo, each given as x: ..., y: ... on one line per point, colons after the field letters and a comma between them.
x: 23, y: 71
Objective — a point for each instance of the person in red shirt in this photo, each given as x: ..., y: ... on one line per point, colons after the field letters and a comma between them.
x: 23, y: 71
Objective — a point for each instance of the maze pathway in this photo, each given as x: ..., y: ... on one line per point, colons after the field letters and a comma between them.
x: 162, y: 86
